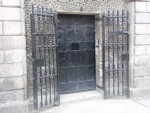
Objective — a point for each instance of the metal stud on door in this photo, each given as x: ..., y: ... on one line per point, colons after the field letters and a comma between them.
x: 115, y: 54
x: 44, y: 54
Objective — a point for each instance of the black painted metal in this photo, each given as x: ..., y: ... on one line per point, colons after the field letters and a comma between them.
x: 45, y: 57
x: 76, y: 53
x: 115, y: 54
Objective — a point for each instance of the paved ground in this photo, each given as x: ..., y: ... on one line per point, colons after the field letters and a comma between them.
x: 103, y: 106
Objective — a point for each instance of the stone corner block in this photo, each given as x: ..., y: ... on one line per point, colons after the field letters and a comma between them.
x: 140, y: 6
x: 15, y: 107
x: 12, y: 28
x: 10, y: 70
x: 15, y: 3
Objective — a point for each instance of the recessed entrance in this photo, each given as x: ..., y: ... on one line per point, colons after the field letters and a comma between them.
x: 76, y: 53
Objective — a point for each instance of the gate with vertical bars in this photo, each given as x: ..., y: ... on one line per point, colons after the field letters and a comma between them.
x: 115, y: 54
x: 44, y: 54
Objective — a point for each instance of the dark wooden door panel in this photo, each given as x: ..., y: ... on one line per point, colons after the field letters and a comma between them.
x: 76, y: 53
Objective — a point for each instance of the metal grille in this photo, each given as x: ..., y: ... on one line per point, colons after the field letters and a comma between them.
x: 44, y: 53
x: 115, y: 54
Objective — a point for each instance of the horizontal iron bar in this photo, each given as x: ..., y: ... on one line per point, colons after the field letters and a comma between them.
x: 76, y: 42
x: 108, y: 70
x: 116, y: 16
x: 115, y: 44
x: 78, y: 66
x: 41, y: 14
x: 43, y: 34
x: 46, y: 46
x: 52, y: 75
x: 118, y: 33
x: 78, y: 50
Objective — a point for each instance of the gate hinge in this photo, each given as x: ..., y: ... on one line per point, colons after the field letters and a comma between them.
x: 125, y: 56
x: 98, y: 19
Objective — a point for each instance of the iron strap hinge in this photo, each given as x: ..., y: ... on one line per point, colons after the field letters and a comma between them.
x: 125, y: 56
x: 98, y: 19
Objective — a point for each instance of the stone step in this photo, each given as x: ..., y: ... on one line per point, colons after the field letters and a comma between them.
x: 88, y: 95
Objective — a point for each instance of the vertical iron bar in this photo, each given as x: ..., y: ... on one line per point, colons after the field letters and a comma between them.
x: 128, y: 93
x: 44, y: 47
x: 113, y: 44
x: 34, y: 59
x: 109, y: 45
x: 57, y: 59
x: 122, y: 52
x: 53, y: 52
x: 40, y: 44
x: 104, y: 84
x: 118, y: 68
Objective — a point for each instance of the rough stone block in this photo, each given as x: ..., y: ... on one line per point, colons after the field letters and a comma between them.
x: 12, y: 28
x: 6, y: 13
x: 140, y: 92
x: 148, y: 6
x: 142, y: 18
x: 139, y: 82
x: 142, y: 39
x: 9, y: 96
x: 142, y: 71
x: 12, y: 56
x: 147, y: 50
x: 140, y: 29
x: 140, y: 6
x: 142, y: 60
x: 14, y: 42
x: 1, y: 30
x: 14, y: 107
x: 148, y: 28
x: 15, y: 3
x: 11, y: 83
x: 139, y: 50
x: 1, y: 56
x: 10, y: 70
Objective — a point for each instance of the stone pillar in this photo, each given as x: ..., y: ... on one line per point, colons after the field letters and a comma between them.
x: 12, y: 57
x: 139, y: 48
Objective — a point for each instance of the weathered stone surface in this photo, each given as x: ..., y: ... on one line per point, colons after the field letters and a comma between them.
x: 148, y: 6
x: 1, y: 56
x: 11, y: 83
x: 140, y: 6
x: 139, y: 82
x: 12, y: 28
x: 12, y: 56
x: 6, y: 13
x: 14, y: 107
x: 7, y: 70
x: 147, y: 48
x: 142, y: 60
x: 11, y: 3
x: 142, y: 39
x: 1, y: 30
x: 139, y: 50
x: 142, y: 18
x: 148, y: 29
x: 140, y: 92
x: 140, y: 28
x: 141, y: 71
x: 14, y: 42
x: 10, y: 96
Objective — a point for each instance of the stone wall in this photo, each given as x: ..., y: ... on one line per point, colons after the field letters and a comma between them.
x: 12, y: 57
x: 139, y: 48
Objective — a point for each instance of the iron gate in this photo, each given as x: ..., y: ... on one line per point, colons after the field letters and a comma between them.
x: 44, y: 53
x: 115, y: 54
